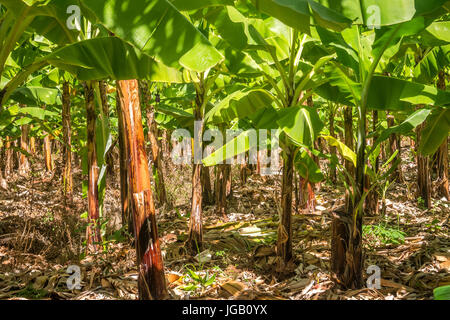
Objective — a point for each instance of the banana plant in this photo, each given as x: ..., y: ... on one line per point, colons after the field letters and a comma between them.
x: 356, y: 80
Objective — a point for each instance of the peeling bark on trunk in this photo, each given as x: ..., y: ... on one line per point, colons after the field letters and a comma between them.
x: 24, y: 165
x: 208, y: 197
x: 423, y: 170
x: 125, y: 198
x: 67, y: 146
x: 151, y: 282
x: 93, y: 234
x: 156, y: 150
x: 284, y: 242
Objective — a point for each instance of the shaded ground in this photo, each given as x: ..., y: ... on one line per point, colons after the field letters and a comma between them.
x: 40, y: 237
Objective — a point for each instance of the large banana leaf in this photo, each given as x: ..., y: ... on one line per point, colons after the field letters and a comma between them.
x: 302, y: 124
x: 384, y: 12
x: 239, y: 105
x: 36, y: 96
x: 435, y: 132
x: 158, y: 29
x: 307, y: 167
x: 405, y: 127
x: 110, y: 57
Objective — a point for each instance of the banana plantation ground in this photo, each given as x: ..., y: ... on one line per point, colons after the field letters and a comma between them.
x: 41, y: 237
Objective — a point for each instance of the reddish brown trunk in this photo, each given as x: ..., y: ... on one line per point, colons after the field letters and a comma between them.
x: 153, y: 133
x: 8, y: 157
x: 32, y: 148
x: 306, y: 196
x: 221, y: 191
x: 284, y: 243
x: 151, y: 283
x: 125, y: 197
x: 208, y: 197
x: 423, y: 170
x: 93, y: 234
x: 67, y: 146
x: 24, y: 165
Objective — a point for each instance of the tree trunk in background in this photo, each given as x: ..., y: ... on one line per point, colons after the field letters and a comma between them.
x: 8, y: 157
x: 67, y: 146
x: 32, y: 148
x: 158, y: 171
x: 333, y: 174
x: 93, y: 234
x: 195, y: 239
x: 125, y: 198
x: 151, y: 281
x: 24, y: 165
x: 371, y: 202
x: 348, y: 136
x: 229, y: 181
x: 394, y: 145
x: 103, y: 86
x: 284, y: 241
x: 3, y: 183
x: 442, y: 154
x: 208, y: 197
x: 442, y: 169
x: 48, y: 153
x: 346, y: 240
x: 221, y: 191
x: 423, y: 170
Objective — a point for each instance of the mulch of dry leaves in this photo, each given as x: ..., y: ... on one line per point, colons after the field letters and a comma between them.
x: 40, y: 237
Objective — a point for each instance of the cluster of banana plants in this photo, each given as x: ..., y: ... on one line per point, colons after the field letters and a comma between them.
x: 278, y: 73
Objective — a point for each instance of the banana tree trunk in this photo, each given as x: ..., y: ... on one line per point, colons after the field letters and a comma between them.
x: 93, y: 234
x: 67, y: 146
x: 103, y: 86
x: 125, y: 194
x: 208, y: 197
x: 442, y: 169
x: 24, y: 165
x: 32, y: 148
x: 423, y: 170
x: 371, y: 202
x: 346, y: 241
x: 442, y: 154
x: 48, y: 153
x: 333, y: 174
x: 151, y: 281
x: 284, y: 242
x: 195, y: 238
x: 156, y: 150
x: 394, y: 145
x: 221, y: 191
x: 8, y: 157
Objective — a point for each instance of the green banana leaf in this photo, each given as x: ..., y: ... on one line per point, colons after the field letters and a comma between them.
x: 156, y: 28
